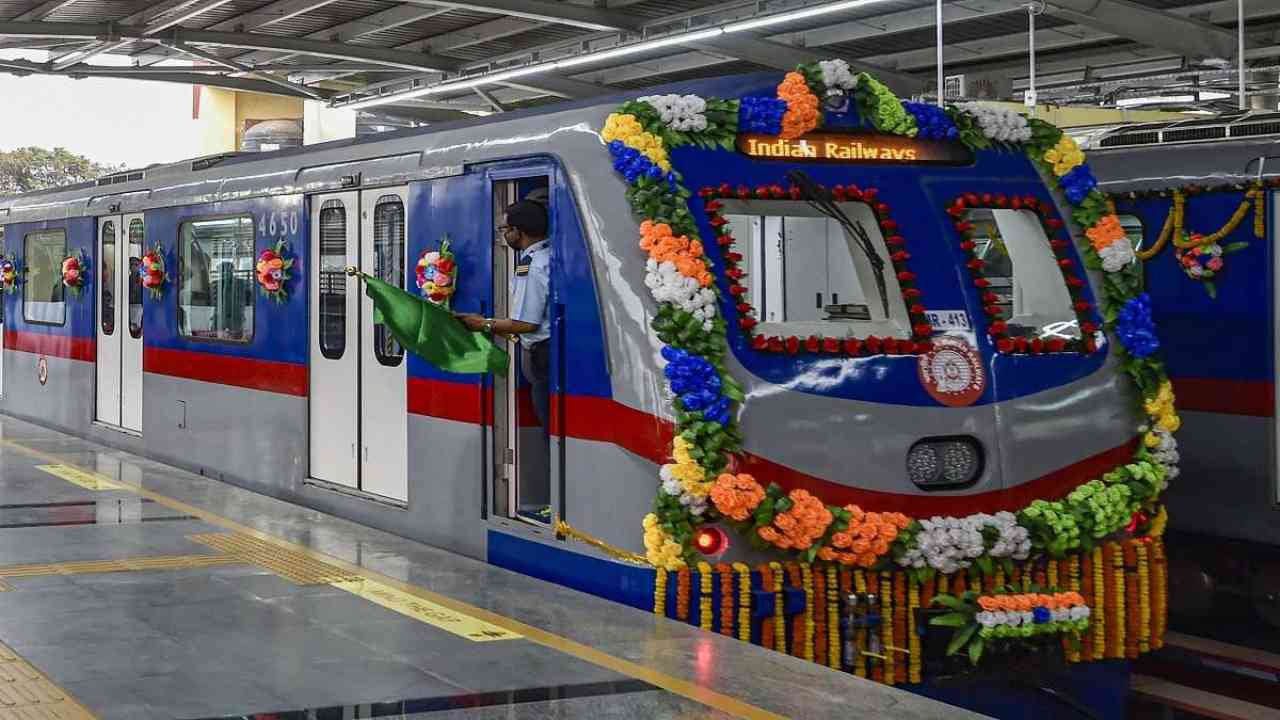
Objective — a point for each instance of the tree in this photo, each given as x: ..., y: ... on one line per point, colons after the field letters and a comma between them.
x: 33, y: 168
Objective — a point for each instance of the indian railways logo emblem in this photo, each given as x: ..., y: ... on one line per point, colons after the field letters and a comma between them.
x: 42, y: 370
x: 952, y: 372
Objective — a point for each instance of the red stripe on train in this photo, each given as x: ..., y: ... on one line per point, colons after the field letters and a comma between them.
x: 61, y: 346
x: 268, y: 375
x: 1228, y: 397
x: 604, y: 420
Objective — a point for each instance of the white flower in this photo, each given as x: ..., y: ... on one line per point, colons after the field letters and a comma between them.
x: 998, y: 123
x: 985, y: 619
x: 1117, y: 255
x: 836, y: 74
x: 679, y: 112
x: 1013, y: 618
x: 1080, y: 612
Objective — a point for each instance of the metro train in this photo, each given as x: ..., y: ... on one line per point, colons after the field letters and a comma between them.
x: 1219, y: 347
x: 925, y: 343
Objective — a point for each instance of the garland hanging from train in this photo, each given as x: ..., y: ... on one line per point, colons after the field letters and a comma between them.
x: 702, y: 483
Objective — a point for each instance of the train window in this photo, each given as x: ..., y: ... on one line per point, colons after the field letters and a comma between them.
x: 42, y: 293
x: 388, y: 258
x: 107, y: 282
x: 215, y: 279
x: 136, y: 242
x: 813, y: 274
x: 1024, y: 274
x: 333, y: 279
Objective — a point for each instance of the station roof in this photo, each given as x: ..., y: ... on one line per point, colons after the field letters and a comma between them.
x: 434, y: 60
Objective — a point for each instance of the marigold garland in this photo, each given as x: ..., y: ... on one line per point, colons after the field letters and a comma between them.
x: 1102, y: 608
x: 833, y: 618
x: 886, y: 629
x: 810, y: 625
x: 900, y: 626
x: 820, y: 616
x: 914, y: 674
x: 1144, y: 598
x: 726, y: 598
x: 744, y: 601
x: 779, y: 608
x: 766, y: 624
x: 1118, y: 616
x: 1131, y: 600
x: 660, y: 592
x: 704, y: 596
x: 1073, y: 584
x: 860, y: 634
x: 797, y: 621
x: 682, y: 594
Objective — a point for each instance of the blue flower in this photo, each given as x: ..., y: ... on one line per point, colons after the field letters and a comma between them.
x: 1078, y: 183
x: 1135, y: 327
x: 631, y: 163
x: 932, y: 122
x: 1042, y: 614
x: 761, y: 115
x: 697, y: 383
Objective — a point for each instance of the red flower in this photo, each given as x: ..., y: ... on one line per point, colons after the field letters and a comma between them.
x: 813, y: 343
x: 718, y: 221
x: 986, y: 198
x: 958, y: 203
x: 906, y: 276
x: 1074, y: 281
x: 900, y: 256
x: 991, y: 310
x: 712, y: 206
x: 725, y: 190
x: 923, y: 347
x: 971, y: 198
x: 707, y: 191
x: 745, y: 308
x: 963, y: 227
x: 759, y: 342
x: 890, y: 346
x: 762, y: 192
x: 1088, y: 328
x: 733, y: 257
x: 852, y: 346
x: 1037, y: 346
x: 916, y: 309
x: 1016, y: 203
x: 743, y: 192
x: 735, y: 273
x: 955, y: 211
x: 922, y: 329
x: 907, y: 347
x: 1082, y: 306
x: 981, y: 282
x: 1054, y: 223
x: 1030, y: 202
x: 968, y: 245
x: 888, y: 225
x: 775, y: 344
x: 746, y: 323
x: 1004, y: 345
x: 445, y: 265
x: 737, y: 290
x: 882, y: 209
x: 793, y: 345
x: 777, y: 191
x: 997, y: 328
x: 1001, y: 200
x: 855, y: 192
x: 794, y: 192
x: 1055, y: 345
x: 724, y: 241
x: 911, y: 293
x: 1090, y: 345
x: 830, y: 345
x: 1020, y: 344
x: 1059, y: 245
x: 267, y: 256
x: 895, y: 241
x: 873, y: 345
x: 990, y: 298
x: 975, y: 264
x: 870, y: 194
x: 838, y: 192
x: 1065, y: 263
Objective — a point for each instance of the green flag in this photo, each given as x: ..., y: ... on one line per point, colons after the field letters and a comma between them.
x: 431, y: 332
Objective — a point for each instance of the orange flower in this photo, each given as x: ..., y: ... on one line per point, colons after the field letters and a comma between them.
x: 988, y: 603
x: 855, y: 514
x: 1104, y: 232
x: 866, y: 560
x: 860, y: 546
x: 828, y: 554
x: 736, y: 496
x: 841, y: 539
x: 802, y: 106
x: 768, y: 534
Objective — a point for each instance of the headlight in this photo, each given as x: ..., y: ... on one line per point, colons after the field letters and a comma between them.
x: 938, y: 463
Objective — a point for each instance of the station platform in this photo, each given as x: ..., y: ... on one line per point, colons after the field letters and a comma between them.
x: 131, y: 589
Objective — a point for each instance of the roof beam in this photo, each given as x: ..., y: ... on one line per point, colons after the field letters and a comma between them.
x: 786, y: 57
x: 265, y: 77
x: 262, y: 17
x: 22, y: 67
x: 1156, y: 28
x: 367, y: 25
x: 552, y: 12
x: 44, y: 10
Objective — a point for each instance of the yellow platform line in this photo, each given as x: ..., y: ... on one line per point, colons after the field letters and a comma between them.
x: 89, y: 567
x: 678, y: 686
x: 27, y: 694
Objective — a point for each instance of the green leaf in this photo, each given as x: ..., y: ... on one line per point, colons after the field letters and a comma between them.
x: 960, y: 637
x: 954, y: 619
x: 1210, y: 288
x: 948, y: 601
x: 975, y: 650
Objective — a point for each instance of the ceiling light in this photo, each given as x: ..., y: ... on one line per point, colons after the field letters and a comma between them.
x: 681, y: 39
x: 797, y: 15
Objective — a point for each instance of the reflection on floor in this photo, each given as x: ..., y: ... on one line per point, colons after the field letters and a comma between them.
x: 140, y: 591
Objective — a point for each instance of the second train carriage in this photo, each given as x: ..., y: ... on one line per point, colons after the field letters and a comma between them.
x: 911, y: 328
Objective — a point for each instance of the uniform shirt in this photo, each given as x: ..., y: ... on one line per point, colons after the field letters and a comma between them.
x: 530, y: 291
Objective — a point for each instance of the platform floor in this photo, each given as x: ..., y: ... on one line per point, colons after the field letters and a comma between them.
x: 131, y: 589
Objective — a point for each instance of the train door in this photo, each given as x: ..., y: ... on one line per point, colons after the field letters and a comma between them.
x: 119, y: 328
x: 523, y: 452
x: 358, y: 407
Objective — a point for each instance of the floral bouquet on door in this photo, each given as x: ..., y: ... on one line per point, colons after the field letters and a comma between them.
x: 73, y: 272
x: 273, y: 271
x: 437, y: 274
x: 10, y: 274
x: 152, y: 273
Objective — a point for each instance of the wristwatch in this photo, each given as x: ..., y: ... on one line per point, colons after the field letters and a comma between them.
x: 488, y: 326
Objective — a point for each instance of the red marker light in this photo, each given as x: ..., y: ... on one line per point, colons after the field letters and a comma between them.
x: 710, y: 540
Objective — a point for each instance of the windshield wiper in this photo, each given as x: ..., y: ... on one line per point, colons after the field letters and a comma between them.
x: 819, y: 199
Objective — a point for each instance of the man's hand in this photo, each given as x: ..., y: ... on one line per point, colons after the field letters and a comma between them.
x: 474, y: 323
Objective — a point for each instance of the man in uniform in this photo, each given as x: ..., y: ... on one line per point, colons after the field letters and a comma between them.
x: 525, y: 232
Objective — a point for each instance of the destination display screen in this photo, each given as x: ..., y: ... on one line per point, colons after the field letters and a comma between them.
x: 855, y: 148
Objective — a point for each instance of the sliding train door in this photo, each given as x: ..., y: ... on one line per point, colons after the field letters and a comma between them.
x: 118, y: 291
x: 358, y: 405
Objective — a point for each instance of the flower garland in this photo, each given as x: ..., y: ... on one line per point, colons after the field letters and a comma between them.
x: 726, y: 598
x: 73, y: 274
x: 152, y: 272
x: 437, y: 274
x: 273, y: 271
x: 639, y: 137
x: 744, y: 601
x: 980, y: 620
x: 10, y: 273
x: 704, y: 595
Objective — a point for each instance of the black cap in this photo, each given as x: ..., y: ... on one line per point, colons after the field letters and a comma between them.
x: 529, y: 217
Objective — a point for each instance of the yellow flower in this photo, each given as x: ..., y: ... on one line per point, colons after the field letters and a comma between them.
x: 1151, y: 440
x: 660, y: 549
x: 627, y: 129
x: 1064, y: 156
x: 1169, y: 422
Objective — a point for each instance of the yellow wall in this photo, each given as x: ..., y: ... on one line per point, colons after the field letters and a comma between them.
x: 224, y: 112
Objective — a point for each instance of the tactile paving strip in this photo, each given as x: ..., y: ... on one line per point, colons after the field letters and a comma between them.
x: 26, y: 694
x: 296, y: 567
x: 86, y: 567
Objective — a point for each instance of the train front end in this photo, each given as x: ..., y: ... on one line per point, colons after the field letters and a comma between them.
x: 911, y: 377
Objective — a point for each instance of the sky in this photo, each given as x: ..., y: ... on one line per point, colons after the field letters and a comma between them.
x: 108, y: 120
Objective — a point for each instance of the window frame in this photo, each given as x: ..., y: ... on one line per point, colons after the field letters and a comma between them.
x: 104, y: 287
x: 330, y: 205
x: 401, y: 279
x: 177, y: 295
x: 26, y: 285
x: 135, y: 282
